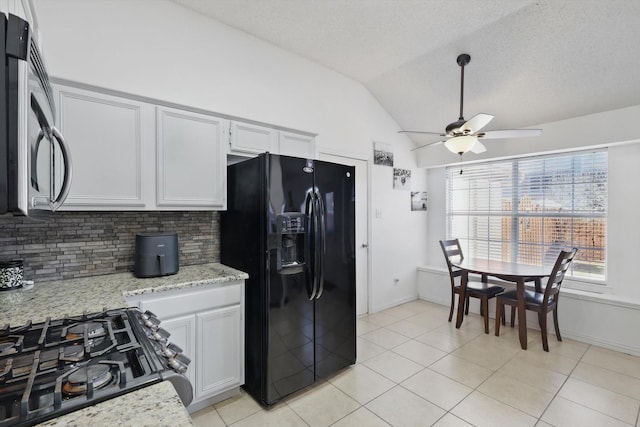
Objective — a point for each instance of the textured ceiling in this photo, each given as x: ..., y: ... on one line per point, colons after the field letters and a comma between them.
x: 532, y: 62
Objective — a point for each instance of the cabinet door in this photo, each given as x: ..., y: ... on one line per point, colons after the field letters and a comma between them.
x: 108, y: 137
x: 297, y: 145
x: 191, y: 168
x: 252, y: 139
x: 219, y: 351
x: 183, y: 332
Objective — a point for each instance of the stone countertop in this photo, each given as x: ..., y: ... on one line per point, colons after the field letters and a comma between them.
x: 157, y: 405
x: 57, y: 299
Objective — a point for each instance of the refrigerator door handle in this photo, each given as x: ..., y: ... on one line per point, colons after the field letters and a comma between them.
x: 321, y: 219
x: 309, y: 243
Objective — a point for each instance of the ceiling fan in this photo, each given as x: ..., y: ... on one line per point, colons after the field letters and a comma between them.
x: 464, y: 135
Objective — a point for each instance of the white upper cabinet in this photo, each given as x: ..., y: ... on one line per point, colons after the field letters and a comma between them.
x: 297, y: 145
x: 247, y: 139
x: 191, y: 165
x: 134, y: 155
x: 108, y: 138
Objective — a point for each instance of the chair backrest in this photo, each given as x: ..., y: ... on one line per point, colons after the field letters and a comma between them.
x: 452, y: 253
x: 557, y: 274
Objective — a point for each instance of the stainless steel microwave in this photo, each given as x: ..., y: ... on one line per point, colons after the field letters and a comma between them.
x: 35, y: 168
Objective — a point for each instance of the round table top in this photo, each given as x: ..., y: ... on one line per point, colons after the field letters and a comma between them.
x: 503, y: 269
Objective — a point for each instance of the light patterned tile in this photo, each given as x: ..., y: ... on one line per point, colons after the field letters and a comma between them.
x: 207, y: 417
x: 418, y: 352
x: 437, y: 389
x: 483, y: 355
x: 429, y: 320
x: 400, y: 407
x: 366, y: 350
x: 281, y: 416
x: 237, y: 407
x: 361, y: 383
x: 444, y: 341
x: 565, y: 413
x: 483, y: 411
x: 533, y: 375
x: 381, y: 318
x: 450, y: 420
x: 408, y: 329
x: 362, y: 417
x: 322, y: 405
x: 419, y: 306
x: 613, y: 360
x: 393, y: 366
x: 385, y: 338
x: 514, y: 392
x: 399, y: 311
x: 602, y: 400
x: 461, y: 370
x: 363, y: 327
x: 619, y: 383
x: 552, y: 361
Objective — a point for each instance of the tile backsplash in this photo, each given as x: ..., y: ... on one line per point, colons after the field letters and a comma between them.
x: 81, y: 244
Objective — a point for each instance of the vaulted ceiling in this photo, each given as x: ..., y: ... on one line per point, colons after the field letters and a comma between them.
x: 532, y: 61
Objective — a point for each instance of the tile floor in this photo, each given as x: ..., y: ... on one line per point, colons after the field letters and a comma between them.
x: 415, y: 369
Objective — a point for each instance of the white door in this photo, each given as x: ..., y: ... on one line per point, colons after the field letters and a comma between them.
x: 362, y: 227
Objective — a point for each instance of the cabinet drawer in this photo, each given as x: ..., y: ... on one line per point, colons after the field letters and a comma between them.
x: 177, y: 303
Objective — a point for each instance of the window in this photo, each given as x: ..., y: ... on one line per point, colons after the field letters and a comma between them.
x: 526, y: 210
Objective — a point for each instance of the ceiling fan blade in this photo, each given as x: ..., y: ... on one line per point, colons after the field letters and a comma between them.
x: 478, y: 148
x: 475, y: 123
x: 427, y: 145
x: 420, y: 131
x: 509, y: 133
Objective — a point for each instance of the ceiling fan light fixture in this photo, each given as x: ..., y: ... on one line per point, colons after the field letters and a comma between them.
x: 461, y: 144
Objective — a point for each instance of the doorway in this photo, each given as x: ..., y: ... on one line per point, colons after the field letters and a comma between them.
x: 362, y: 224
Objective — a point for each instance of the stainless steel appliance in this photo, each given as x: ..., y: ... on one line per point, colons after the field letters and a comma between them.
x: 156, y: 254
x: 58, y: 366
x: 35, y: 165
x: 290, y: 224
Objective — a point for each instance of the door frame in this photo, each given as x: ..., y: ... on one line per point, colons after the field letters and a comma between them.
x: 365, y: 158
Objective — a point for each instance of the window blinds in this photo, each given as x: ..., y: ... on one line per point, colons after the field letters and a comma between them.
x: 526, y: 210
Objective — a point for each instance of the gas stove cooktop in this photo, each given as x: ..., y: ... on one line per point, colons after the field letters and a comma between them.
x: 58, y: 366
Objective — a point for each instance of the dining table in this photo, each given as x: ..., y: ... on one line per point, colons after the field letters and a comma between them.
x: 508, y: 271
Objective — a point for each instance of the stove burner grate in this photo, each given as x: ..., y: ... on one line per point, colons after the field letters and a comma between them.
x: 86, y: 379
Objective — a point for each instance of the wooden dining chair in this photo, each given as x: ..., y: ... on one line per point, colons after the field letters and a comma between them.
x: 476, y: 289
x: 542, y: 301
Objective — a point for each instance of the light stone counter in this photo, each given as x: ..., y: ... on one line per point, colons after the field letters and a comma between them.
x: 157, y: 405
x: 57, y: 299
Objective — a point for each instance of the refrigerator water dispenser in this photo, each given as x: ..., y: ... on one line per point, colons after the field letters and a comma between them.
x: 291, y: 235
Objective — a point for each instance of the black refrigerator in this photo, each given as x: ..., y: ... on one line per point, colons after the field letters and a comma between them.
x: 290, y: 224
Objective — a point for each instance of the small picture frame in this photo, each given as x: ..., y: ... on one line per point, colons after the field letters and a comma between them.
x: 418, y: 200
x: 401, y: 179
x: 382, y: 154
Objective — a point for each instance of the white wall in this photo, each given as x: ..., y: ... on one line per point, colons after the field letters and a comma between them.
x: 160, y: 50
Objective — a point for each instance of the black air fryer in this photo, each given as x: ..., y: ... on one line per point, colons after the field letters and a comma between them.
x: 156, y: 254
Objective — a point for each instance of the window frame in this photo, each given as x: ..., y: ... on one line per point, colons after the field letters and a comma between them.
x: 591, y: 279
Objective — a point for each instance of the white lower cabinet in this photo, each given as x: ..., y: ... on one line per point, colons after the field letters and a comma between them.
x: 207, y: 323
x: 183, y: 334
x: 218, y: 333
